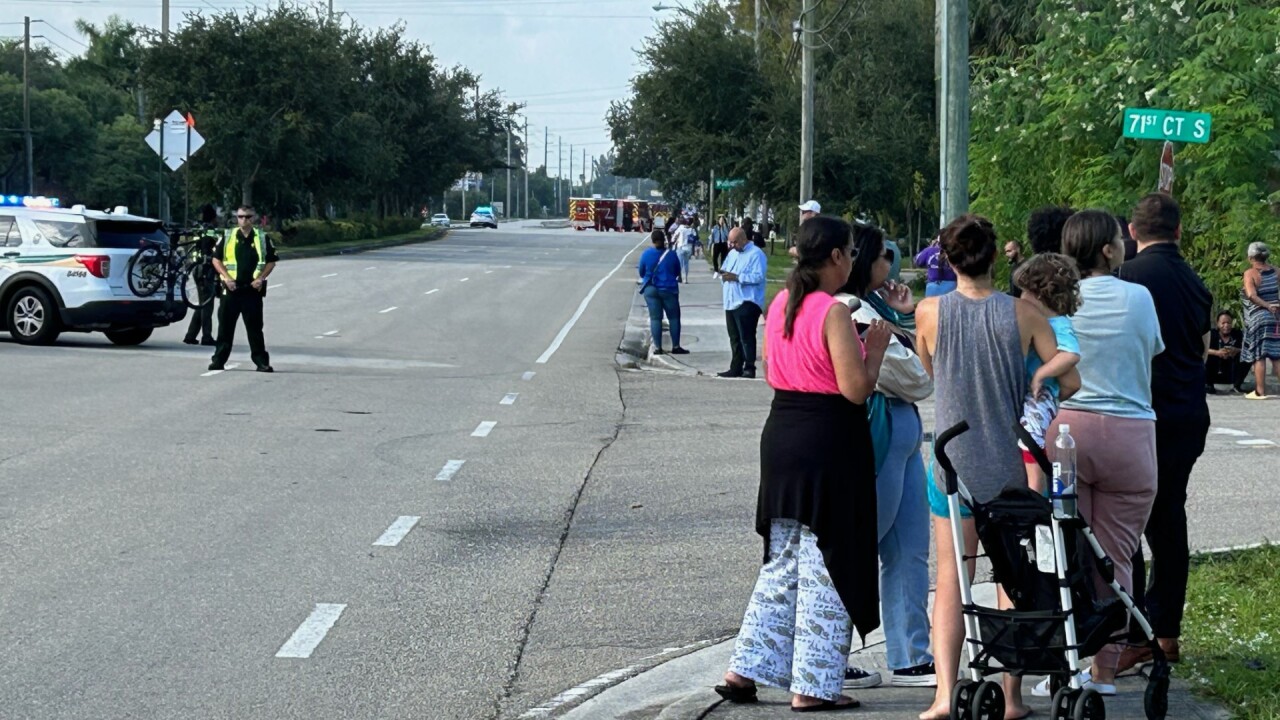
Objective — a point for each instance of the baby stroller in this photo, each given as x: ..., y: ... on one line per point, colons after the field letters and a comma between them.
x: 1044, y: 560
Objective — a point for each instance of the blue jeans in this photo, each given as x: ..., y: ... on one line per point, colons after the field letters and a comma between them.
x: 684, y: 253
x: 942, y: 287
x: 903, y: 517
x: 660, y: 301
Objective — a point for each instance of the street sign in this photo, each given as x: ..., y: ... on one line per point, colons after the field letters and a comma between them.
x: 176, y: 140
x: 1166, y: 169
x: 1173, y: 125
x: 729, y: 183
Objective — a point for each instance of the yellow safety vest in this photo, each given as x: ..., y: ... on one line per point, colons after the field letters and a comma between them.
x: 229, y: 253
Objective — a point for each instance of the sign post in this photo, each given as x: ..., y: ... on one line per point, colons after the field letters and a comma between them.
x: 1170, y: 126
x: 1166, y: 169
x: 729, y: 183
x: 175, y: 140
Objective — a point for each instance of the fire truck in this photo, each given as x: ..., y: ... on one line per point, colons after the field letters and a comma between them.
x: 610, y: 214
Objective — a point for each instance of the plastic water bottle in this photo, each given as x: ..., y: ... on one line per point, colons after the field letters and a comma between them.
x: 1064, y: 474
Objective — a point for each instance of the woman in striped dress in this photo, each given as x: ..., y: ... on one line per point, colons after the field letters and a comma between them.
x: 1262, y: 319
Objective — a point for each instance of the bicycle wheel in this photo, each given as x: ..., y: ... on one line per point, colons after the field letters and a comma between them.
x: 146, y: 272
x: 196, y: 290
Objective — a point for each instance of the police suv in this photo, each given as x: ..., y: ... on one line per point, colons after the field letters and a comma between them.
x: 65, y: 270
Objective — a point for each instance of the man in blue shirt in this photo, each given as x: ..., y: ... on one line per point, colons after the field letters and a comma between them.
x: 743, y: 277
x: 659, y: 284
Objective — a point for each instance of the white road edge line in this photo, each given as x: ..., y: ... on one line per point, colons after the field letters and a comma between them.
x: 528, y: 375
x: 312, y: 630
x: 329, y: 275
x: 394, y: 534
x: 1258, y: 442
x: 509, y: 399
x: 211, y: 373
x: 393, y: 307
x: 484, y: 428
x: 450, y: 469
x: 564, y: 331
x: 433, y: 290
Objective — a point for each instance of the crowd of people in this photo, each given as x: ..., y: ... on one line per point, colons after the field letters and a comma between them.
x: 1104, y: 329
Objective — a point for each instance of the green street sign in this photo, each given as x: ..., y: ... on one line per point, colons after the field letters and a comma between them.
x: 1172, y: 125
x: 729, y: 183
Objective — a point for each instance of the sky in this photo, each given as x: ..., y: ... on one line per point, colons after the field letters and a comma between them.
x: 565, y: 59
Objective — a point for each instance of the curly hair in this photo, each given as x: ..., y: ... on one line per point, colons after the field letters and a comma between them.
x: 1044, y: 228
x: 1054, y: 279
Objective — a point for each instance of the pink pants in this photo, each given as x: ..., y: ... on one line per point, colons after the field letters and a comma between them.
x: 1116, y: 473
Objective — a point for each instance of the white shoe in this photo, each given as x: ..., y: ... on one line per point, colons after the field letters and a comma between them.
x: 1101, y: 689
x: 1042, y: 688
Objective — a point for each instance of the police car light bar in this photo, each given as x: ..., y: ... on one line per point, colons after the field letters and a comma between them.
x: 29, y: 201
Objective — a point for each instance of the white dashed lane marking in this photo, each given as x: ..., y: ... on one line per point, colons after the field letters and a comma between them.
x: 484, y: 428
x: 1228, y: 431
x: 374, y: 267
x: 1255, y: 442
x: 397, y: 531
x: 393, y: 307
x: 433, y: 290
x: 330, y: 275
x: 312, y: 630
x: 509, y: 399
x: 211, y: 373
x: 528, y: 375
x: 464, y: 279
x: 331, y: 333
x: 450, y: 469
x: 487, y: 272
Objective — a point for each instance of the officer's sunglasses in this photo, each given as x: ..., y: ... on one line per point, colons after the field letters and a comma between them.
x: 244, y: 217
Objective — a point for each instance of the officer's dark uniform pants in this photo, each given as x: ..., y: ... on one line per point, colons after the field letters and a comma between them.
x: 202, y: 317
x: 243, y: 303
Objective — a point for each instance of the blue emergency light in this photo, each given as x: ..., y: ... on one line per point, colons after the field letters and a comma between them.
x: 29, y: 201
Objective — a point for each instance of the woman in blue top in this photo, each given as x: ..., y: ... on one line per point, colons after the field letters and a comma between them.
x: 660, y: 284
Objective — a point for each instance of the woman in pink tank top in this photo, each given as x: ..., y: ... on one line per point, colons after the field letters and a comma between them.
x: 817, y: 503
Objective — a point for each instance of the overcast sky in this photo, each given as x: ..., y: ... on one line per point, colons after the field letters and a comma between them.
x: 565, y: 58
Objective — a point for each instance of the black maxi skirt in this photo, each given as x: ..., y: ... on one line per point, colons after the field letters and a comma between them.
x: 817, y: 468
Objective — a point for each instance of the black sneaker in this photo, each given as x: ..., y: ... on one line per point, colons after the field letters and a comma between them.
x: 918, y: 676
x: 730, y: 374
x: 266, y: 368
x: 679, y: 351
x: 855, y: 678
x: 749, y: 373
x: 216, y: 366
x: 190, y: 341
x: 659, y: 351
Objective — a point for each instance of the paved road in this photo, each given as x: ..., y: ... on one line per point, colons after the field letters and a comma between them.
x: 605, y: 518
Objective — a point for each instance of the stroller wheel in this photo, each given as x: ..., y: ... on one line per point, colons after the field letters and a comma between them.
x: 1156, y: 699
x: 988, y: 702
x: 1060, y: 706
x: 962, y: 698
x: 1088, y: 705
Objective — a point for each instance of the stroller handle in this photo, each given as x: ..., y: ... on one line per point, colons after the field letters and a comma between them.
x: 940, y: 450
x: 1034, y: 448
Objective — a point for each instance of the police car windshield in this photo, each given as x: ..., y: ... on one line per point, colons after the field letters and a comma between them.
x: 128, y: 233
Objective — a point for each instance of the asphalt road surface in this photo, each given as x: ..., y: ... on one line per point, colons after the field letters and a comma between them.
x: 447, y: 502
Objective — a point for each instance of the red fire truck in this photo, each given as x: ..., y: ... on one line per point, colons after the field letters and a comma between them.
x: 610, y: 214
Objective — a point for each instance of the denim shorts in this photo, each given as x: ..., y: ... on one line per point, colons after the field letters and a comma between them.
x: 938, y: 499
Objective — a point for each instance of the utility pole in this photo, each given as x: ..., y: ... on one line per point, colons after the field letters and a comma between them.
x: 711, y: 209
x: 807, y: 41
x: 26, y: 104
x: 559, y: 175
x: 164, y: 20
x: 331, y: 9
x: 526, y: 169
x: 584, y: 173
x: 570, y: 169
x: 759, y: 25
x: 507, y: 209
x: 953, y: 112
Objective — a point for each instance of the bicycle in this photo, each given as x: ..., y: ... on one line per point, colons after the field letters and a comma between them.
x: 178, y: 268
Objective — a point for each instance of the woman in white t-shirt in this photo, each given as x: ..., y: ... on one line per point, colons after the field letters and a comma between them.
x: 1111, y: 417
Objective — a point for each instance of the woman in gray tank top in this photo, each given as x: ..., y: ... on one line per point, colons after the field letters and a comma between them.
x: 974, y: 342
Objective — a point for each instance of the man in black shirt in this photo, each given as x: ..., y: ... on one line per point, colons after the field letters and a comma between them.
x: 1183, y: 306
x: 1223, y: 364
x: 243, y: 260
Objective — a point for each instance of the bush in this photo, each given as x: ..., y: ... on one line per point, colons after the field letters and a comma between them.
x: 302, y: 233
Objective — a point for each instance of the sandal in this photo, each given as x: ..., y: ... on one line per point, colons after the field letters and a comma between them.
x: 828, y: 706
x: 737, y: 694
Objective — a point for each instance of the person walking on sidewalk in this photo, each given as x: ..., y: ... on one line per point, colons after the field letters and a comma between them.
x: 719, y: 243
x: 1184, y: 308
x: 742, y: 285
x: 243, y: 260
x: 816, y: 508
x: 682, y: 242
x: 660, y: 285
x: 902, y: 510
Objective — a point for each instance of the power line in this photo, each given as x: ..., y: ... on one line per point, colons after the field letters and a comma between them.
x: 54, y: 28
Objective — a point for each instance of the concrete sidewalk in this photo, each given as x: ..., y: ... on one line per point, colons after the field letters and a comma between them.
x: 703, y: 330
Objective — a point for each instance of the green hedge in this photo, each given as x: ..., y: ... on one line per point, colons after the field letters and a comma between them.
x: 303, y: 233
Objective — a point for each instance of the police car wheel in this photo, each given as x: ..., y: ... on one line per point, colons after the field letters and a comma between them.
x: 131, y: 336
x: 33, y: 317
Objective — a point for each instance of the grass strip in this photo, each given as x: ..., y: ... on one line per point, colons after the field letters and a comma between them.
x: 1231, y: 632
x: 349, y: 246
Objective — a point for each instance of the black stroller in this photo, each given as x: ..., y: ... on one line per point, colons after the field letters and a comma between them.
x: 1045, y: 564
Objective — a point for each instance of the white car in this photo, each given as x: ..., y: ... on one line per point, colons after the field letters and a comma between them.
x: 65, y: 270
x: 483, y: 219
x: 441, y: 220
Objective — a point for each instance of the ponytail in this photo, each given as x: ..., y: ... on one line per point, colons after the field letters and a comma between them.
x: 800, y: 282
x: 815, y: 241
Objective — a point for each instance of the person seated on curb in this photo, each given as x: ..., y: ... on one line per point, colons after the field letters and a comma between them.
x: 1223, y: 363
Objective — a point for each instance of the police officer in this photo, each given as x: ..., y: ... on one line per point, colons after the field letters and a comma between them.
x: 206, y: 286
x: 243, y: 260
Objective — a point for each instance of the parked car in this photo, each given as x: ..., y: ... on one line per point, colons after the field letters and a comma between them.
x: 441, y: 220
x: 483, y: 217
x: 65, y: 270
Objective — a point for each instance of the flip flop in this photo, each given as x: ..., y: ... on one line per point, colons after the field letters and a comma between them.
x: 738, y: 694
x: 828, y: 706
